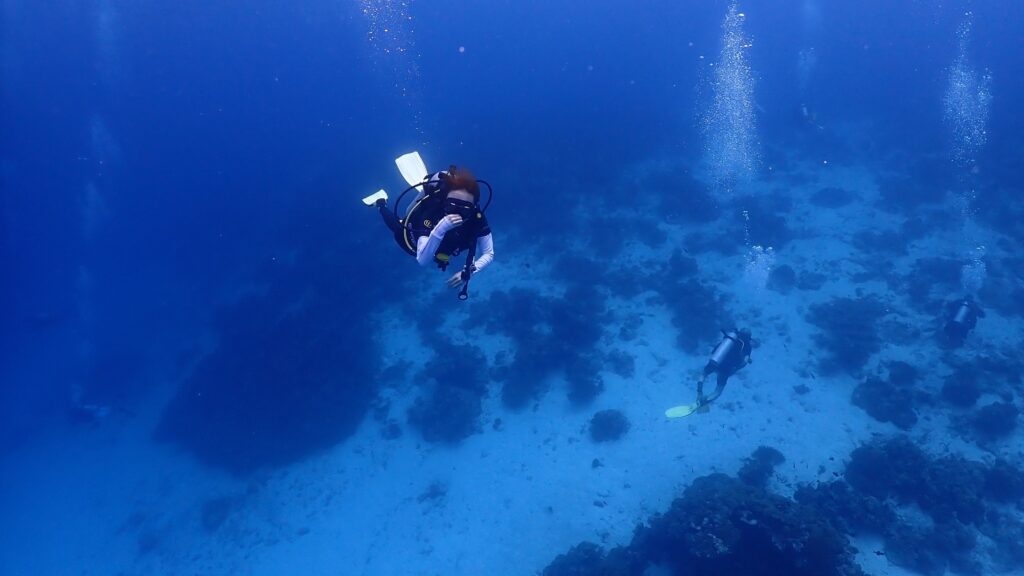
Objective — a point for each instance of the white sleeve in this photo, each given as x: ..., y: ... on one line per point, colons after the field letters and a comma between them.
x: 485, y: 249
x: 426, y: 246
x: 422, y: 254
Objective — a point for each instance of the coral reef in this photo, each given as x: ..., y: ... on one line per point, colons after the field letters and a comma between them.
x: 697, y: 310
x: 810, y: 280
x: 550, y: 336
x: 721, y: 525
x: 961, y: 388
x: 447, y: 414
x: 434, y: 492
x: 759, y: 467
x: 455, y: 383
x: 608, y: 425
x: 874, y: 243
x: 974, y: 375
x: 621, y: 363
x: 1007, y: 532
x: 848, y: 332
x: 293, y: 373
x: 584, y: 559
x: 610, y: 245
x: 582, y: 374
x: 933, y: 549
x: 1004, y: 482
x: 850, y: 510
x: 995, y: 421
x: 724, y: 525
x: 559, y: 335
x: 931, y: 282
x: 947, y: 488
x: 893, y: 467
x: 902, y: 195
x: 782, y: 279
x: 886, y: 402
x: 960, y: 498
x: 953, y: 489
x: 681, y: 197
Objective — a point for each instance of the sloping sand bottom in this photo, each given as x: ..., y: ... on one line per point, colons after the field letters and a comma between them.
x: 107, y: 500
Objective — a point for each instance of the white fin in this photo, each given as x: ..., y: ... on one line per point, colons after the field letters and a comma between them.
x: 412, y: 168
x: 372, y: 198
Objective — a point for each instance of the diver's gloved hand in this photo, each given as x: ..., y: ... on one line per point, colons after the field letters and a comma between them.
x: 456, y: 280
x: 459, y: 278
x: 447, y: 223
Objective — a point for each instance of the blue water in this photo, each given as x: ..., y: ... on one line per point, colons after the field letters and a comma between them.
x: 186, y: 263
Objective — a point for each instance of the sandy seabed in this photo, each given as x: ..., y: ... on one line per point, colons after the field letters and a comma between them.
x: 107, y: 500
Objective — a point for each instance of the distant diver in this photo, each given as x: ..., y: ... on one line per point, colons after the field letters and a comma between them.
x: 444, y: 219
x: 82, y: 412
x: 962, y: 316
x: 809, y: 118
x: 727, y: 358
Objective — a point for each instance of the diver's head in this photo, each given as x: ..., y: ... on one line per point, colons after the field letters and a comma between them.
x: 461, y: 183
x: 462, y: 196
x: 463, y: 193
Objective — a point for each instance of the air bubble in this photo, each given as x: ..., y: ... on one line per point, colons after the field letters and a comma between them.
x: 729, y: 126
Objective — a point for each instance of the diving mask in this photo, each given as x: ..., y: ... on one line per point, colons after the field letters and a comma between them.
x: 463, y: 208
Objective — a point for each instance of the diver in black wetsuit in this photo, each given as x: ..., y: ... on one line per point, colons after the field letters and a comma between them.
x: 446, y: 220
x: 728, y: 357
x: 963, y: 317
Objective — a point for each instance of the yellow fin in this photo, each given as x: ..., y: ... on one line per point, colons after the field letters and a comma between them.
x: 681, y: 411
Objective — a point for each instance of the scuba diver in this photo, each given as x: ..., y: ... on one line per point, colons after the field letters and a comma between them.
x: 963, y: 317
x: 809, y: 118
x: 444, y: 219
x: 727, y: 358
x: 731, y: 354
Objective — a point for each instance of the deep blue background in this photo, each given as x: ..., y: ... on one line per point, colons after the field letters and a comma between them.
x: 246, y: 132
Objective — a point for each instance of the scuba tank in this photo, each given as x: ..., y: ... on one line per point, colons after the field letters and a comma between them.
x: 963, y: 320
x: 721, y: 354
x: 964, y: 312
